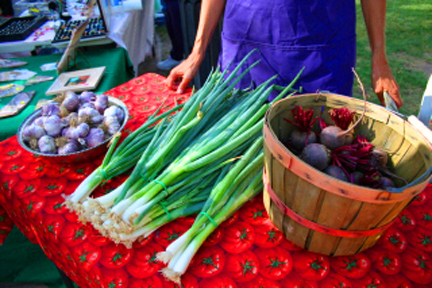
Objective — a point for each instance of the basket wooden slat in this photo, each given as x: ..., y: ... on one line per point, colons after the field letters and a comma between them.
x: 327, y: 201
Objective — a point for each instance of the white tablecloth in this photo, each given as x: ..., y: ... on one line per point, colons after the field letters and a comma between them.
x: 134, y: 31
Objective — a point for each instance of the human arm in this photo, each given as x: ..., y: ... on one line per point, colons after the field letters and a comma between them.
x: 374, y: 12
x: 210, y: 13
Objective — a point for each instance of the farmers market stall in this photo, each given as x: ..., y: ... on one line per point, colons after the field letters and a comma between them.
x: 247, y: 250
x: 118, y: 70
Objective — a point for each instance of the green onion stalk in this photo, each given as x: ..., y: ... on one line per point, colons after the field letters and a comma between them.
x: 241, y: 190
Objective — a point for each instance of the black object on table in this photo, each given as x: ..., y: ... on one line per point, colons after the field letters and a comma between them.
x: 95, y: 28
x: 19, y: 28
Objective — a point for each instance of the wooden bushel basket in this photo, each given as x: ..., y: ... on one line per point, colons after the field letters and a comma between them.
x: 323, y: 214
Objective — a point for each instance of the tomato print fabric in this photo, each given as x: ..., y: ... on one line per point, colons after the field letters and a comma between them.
x: 245, y: 251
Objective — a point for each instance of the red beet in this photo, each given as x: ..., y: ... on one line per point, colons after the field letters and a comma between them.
x: 299, y: 140
x: 355, y: 177
x: 336, y: 172
x: 387, y: 182
x: 379, y: 157
x: 332, y: 137
x: 303, y: 135
x: 316, y: 155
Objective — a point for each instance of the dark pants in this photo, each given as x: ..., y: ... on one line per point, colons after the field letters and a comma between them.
x: 6, y: 7
x: 173, y: 25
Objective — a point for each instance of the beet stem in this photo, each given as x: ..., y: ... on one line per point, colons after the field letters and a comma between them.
x: 364, y: 109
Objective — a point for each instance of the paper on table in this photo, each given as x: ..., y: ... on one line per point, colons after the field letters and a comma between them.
x: 10, y: 90
x: 38, y: 79
x: 49, y: 66
x: 17, y: 103
x: 21, y: 74
x: 4, y: 63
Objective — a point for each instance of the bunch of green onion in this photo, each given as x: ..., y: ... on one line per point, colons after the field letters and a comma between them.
x: 206, y: 158
x: 241, y: 183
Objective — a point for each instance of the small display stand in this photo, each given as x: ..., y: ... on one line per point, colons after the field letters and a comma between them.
x: 19, y: 28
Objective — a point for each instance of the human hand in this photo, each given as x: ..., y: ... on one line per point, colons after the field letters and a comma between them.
x: 182, y: 74
x: 383, y: 80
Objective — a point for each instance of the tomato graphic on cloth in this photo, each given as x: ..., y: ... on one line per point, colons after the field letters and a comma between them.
x: 275, y: 263
x: 209, y: 261
x: 53, y: 226
x: 230, y: 220
x: 311, y: 266
x: 420, y: 199
x: 396, y: 281
x: 372, y: 279
x: 56, y: 170
x: 115, y: 256
x: 334, y: 280
x: 385, y: 261
x: 33, y: 204
x: 34, y: 170
x: 80, y: 172
x: 74, y: 234
x: 238, y: 237
x: 5, y: 222
x: 355, y: 266
x: 219, y: 281
x: 422, y: 216
x: 141, y: 242
x: 405, y: 221
x: 288, y: 245
x: 87, y: 255
x: 13, y: 167
x: 71, y: 216
x: 187, y: 281
x: 393, y: 240
x: 417, y: 266
x: 267, y: 235
x: 168, y: 233
x: 421, y: 238
x: 7, y: 184
x: 11, y: 152
x: 114, y: 278
x: 254, y: 213
x: 260, y: 282
x: 52, y: 186
x: 242, y: 267
x: 144, y: 262
x: 97, y: 239
x: 55, y: 205
x: 293, y: 280
x: 26, y: 188
x: 150, y: 282
x: 214, y: 237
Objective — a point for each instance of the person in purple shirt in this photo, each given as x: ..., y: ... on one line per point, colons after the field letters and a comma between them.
x: 290, y: 34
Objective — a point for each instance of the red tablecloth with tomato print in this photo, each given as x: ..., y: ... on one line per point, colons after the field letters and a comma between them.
x: 246, y: 251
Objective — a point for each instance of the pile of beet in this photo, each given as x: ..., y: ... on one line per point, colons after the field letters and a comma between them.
x: 338, y: 151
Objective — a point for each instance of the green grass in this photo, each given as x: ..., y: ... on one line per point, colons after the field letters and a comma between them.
x: 409, y: 50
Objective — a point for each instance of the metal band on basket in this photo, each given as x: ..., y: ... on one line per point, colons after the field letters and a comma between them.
x: 315, y: 226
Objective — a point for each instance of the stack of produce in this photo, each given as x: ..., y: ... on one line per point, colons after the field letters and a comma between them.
x: 205, y: 159
x: 73, y: 123
x: 337, y: 150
